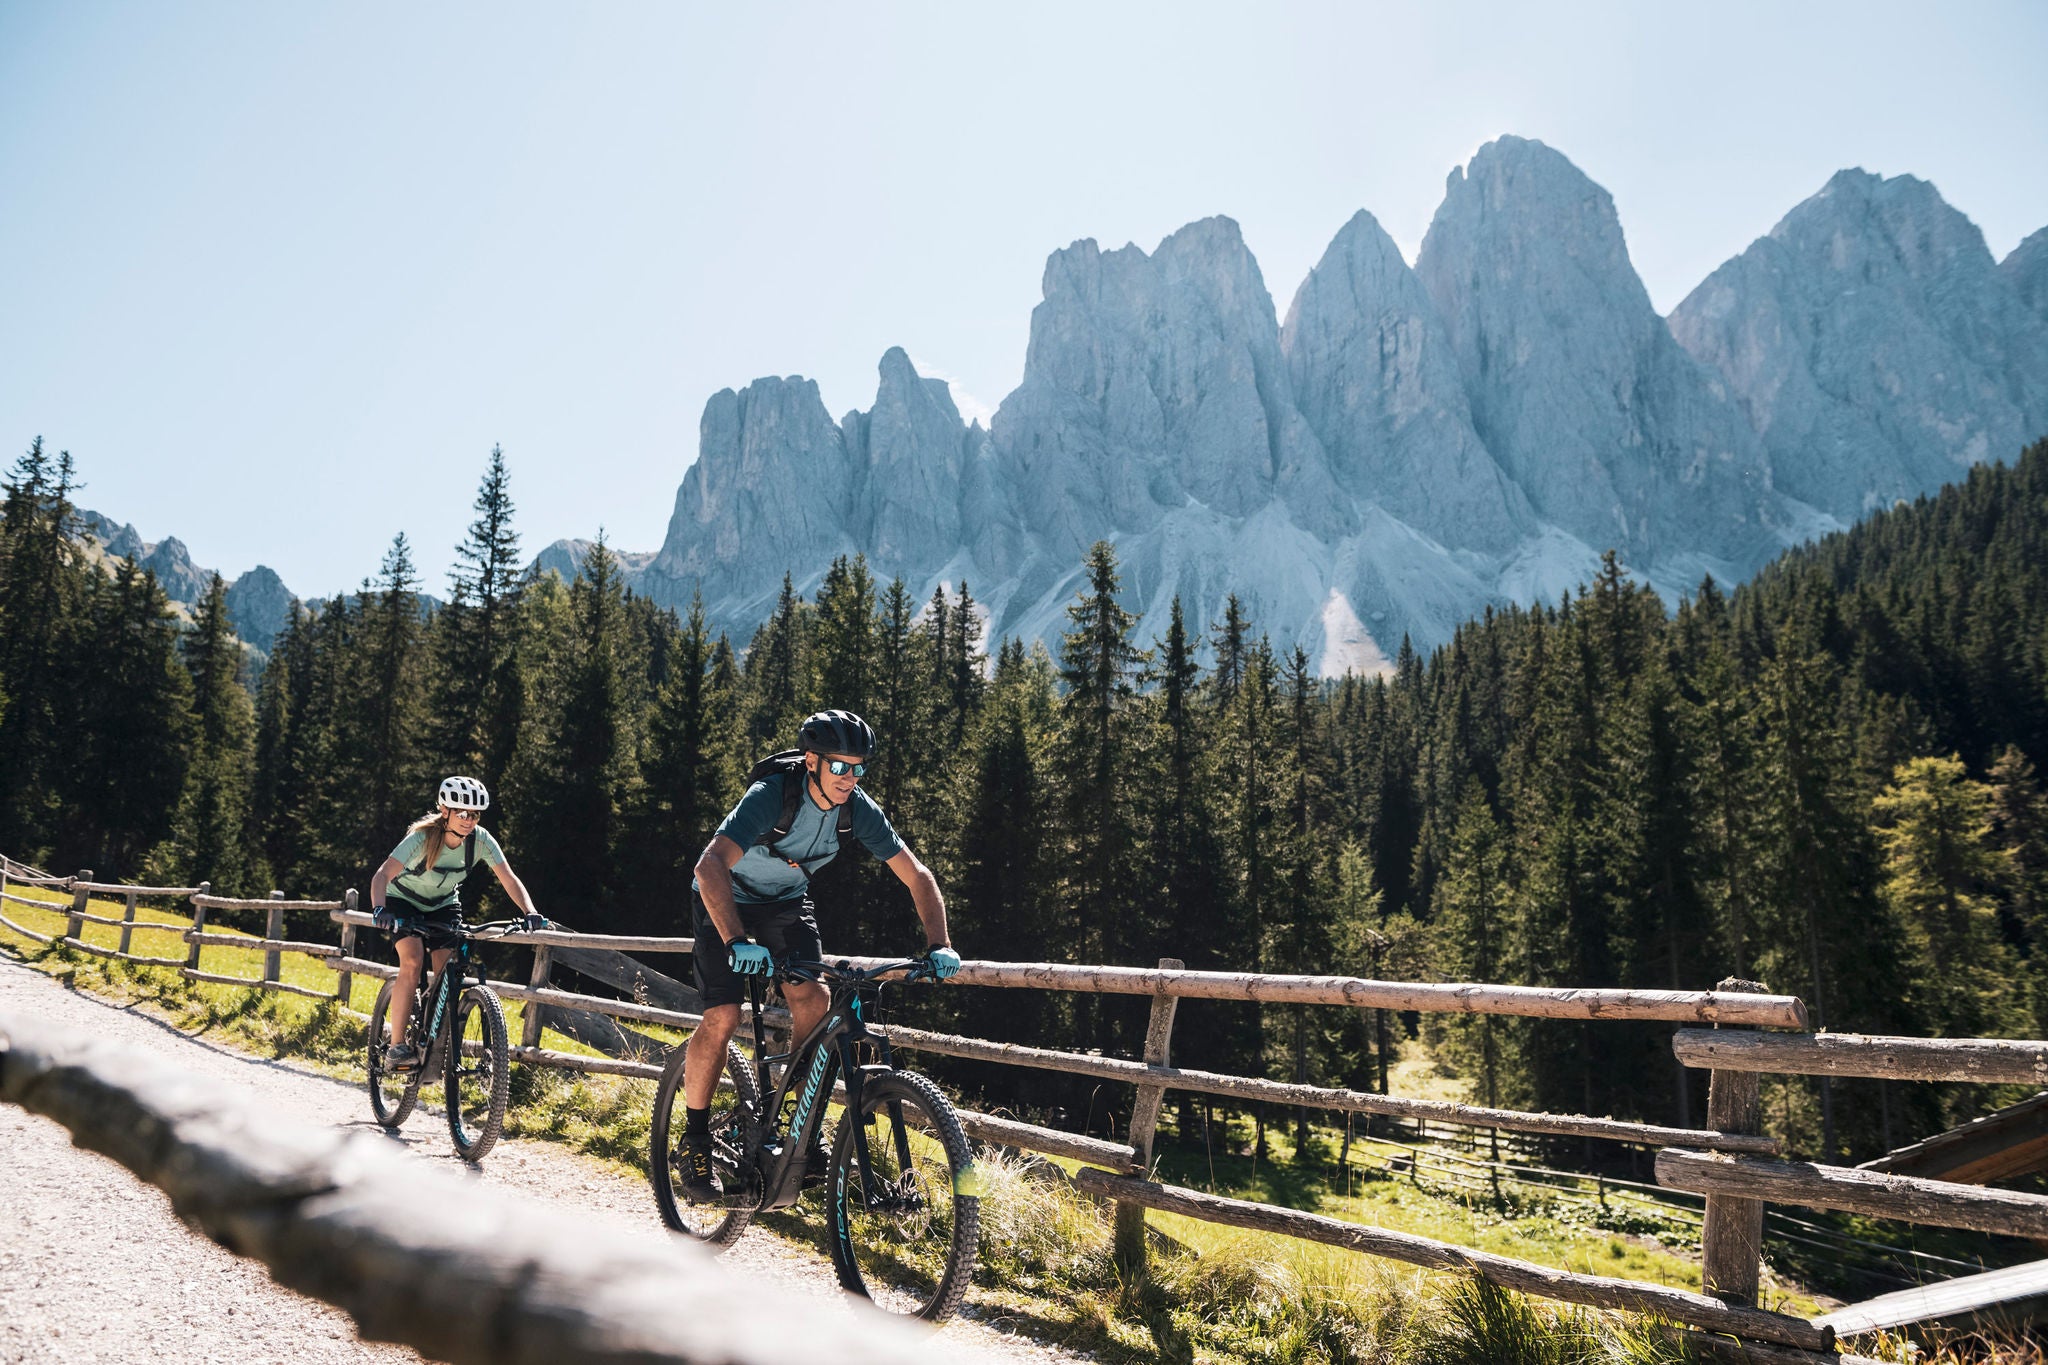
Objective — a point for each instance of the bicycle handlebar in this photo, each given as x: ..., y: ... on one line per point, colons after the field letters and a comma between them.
x: 794, y: 969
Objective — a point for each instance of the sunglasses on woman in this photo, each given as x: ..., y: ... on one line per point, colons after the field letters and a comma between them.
x: 839, y: 767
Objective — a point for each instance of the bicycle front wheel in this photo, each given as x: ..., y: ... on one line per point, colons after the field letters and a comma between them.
x: 720, y: 1223
x: 478, y: 1078
x: 906, y: 1239
x: 392, y: 1093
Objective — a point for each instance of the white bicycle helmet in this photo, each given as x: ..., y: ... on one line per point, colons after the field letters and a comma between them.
x: 464, y: 793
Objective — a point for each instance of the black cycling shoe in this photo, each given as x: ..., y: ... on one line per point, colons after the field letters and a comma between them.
x: 699, y: 1183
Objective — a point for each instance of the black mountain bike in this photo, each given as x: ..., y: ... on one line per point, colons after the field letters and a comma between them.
x: 458, y: 1027
x: 903, y: 1194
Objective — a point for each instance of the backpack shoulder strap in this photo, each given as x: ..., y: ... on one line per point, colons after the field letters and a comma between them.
x: 468, y: 853
x: 792, y: 793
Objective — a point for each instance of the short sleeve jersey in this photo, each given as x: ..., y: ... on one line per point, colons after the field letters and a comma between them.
x: 763, y: 876
x: 436, y: 887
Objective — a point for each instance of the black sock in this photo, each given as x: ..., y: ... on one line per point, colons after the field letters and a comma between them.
x: 697, y: 1122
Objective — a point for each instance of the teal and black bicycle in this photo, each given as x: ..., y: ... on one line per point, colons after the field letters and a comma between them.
x: 457, y: 1027
x: 904, y: 1199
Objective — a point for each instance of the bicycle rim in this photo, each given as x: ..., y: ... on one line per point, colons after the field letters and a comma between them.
x: 908, y: 1244
x: 719, y: 1224
x: 392, y: 1093
x: 478, y: 1079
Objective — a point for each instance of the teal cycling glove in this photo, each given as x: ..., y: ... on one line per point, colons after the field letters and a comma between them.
x: 747, y: 957
x: 944, y: 962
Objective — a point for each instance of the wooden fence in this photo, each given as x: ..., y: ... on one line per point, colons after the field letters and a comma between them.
x: 1731, y: 1162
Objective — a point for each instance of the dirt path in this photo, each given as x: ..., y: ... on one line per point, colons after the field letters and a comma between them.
x: 95, y: 1267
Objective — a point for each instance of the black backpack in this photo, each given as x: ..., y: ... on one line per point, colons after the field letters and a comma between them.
x: 432, y: 856
x: 789, y: 766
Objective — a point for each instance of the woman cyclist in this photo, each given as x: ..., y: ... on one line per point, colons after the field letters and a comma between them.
x: 424, y: 876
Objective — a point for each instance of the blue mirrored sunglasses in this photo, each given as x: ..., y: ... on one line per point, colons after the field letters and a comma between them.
x: 839, y: 767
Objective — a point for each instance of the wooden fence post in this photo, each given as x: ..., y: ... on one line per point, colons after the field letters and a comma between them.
x: 344, y: 981
x: 127, y: 922
x: 1732, y: 1233
x: 74, y: 927
x: 1130, y: 1218
x: 198, y: 925
x: 529, y: 1029
x: 273, y: 929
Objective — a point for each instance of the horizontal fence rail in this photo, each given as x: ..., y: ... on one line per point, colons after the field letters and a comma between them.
x: 1317, y: 1097
x: 1676, y: 1305
x: 512, y: 1281
x: 1998, y: 1061
x: 1937, y: 1203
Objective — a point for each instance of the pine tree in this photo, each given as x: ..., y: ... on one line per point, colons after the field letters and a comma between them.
x: 476, y: 683
x: 42, y: 584
x: 133, y: 727
x: 211, y: 831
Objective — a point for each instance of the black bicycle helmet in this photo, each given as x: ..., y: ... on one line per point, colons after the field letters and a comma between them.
x: 836, y: 732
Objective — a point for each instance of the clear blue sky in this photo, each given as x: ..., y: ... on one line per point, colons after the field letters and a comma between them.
x: 279, y: 275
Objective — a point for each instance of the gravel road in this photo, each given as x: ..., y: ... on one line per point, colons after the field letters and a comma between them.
x: 95, y: 1267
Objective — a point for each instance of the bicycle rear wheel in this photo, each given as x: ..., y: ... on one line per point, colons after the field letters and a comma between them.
x: 392, y: 1093
x: 908, y: 1242
x: 478, y: 1078
x: 719, y: 1224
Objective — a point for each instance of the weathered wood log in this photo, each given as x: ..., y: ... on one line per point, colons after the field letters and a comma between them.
x: 618, y: 943
x: 273, y: 930
x: 213, y: 902
x: 1675, y: 1305
x: 1315, y: 1097
x: 1130, y: 1218
x: 1732, y: 1229
x: 639, y: 981
x: 531, y: 1024
x: 1991, y: 1060
x: 74, y: 929
x: 198, y: 925
x: 1032, y: 1138
x: 358, y: 966
x: 1940, y: 1203
x: 33, y: 902
x: 596, y: 1066
x: 128, y: 920
x: 344, y: 982
x: 1735, y: 1351
x: 512, y: 1281
x: 1451, y: 998
x: 621, y: 1009
x: 253, y: 983
x: 124, y: 889
x: 95, y: 949
x: 269, y: 945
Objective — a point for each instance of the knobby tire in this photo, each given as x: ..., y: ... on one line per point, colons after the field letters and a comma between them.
x: 477, y: 1085
x: 916, y: 1256
x: 392, y: 1094
x: 716, y: 1225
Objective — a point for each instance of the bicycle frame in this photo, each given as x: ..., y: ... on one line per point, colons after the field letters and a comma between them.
x: 829, y: 1050
x: 438, y: 992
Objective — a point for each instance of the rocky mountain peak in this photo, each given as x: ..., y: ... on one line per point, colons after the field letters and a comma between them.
x: 1873, y: 344
x: 1576, y: 388
x: 2026, y: 270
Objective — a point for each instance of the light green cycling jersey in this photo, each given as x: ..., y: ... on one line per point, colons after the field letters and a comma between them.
x: 438, y: 886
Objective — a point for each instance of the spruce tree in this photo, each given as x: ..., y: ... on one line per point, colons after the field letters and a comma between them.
x: 210, y: 839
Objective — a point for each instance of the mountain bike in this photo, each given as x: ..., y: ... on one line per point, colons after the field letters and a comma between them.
x: 902, y: 1193
x: 458, y: 1027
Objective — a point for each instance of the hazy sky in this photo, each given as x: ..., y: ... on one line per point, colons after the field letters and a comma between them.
x: 279, y: 275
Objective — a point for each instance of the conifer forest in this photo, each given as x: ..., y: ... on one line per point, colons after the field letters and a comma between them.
x: 1826, y: 780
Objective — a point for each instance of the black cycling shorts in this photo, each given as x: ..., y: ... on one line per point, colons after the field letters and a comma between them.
x: 435, y: 929
x: 788, y: 929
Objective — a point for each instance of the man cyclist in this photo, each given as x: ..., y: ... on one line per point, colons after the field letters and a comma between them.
x: 423, y: 877
x: 752, y: 904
